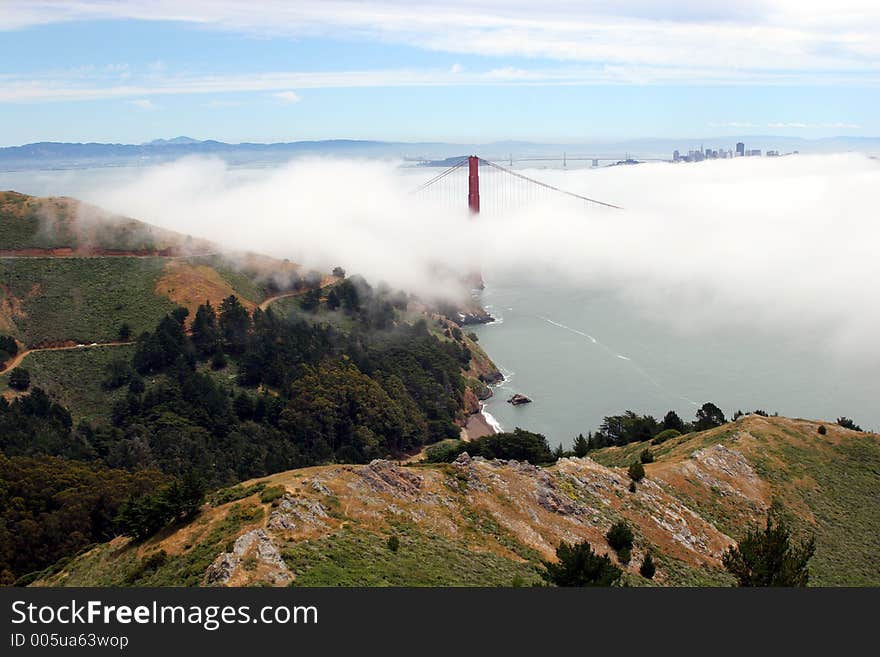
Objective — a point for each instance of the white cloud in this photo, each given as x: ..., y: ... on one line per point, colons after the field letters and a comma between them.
x: 729, y: 41
x: 142, y: 103
x: 288, y: 97
x: 87, y: 84
x: 802, y: 125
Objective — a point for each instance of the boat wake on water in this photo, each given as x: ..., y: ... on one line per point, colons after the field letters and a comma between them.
x: 647, y: 377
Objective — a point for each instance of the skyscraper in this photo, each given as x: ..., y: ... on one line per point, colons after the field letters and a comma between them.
x: 740, y: 149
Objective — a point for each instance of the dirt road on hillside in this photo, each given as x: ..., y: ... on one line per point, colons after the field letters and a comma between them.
x: 20, y: 356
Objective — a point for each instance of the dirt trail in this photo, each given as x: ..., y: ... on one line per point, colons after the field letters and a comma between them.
x: 20, y: 356
x: 326, y: 281
x: 268, y: 302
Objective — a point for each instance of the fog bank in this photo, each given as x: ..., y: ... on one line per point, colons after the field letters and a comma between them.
x: 781, y: 245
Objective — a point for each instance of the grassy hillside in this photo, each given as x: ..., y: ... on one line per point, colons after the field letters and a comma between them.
x: 478, y: 522
x: 81, y: 299
x: 28, y: 222
x: 827, y: 485
x: 74, y: 379
x: 72, y: 272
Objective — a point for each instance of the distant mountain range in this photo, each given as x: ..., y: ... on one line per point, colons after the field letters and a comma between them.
x: 75, y: 155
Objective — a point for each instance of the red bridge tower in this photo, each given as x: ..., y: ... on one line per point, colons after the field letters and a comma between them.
x: 474, y: 184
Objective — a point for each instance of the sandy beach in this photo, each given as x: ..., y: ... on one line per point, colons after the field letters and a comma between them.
x: 477, y: 427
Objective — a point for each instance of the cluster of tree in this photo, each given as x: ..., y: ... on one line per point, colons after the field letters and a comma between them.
x: 142, y: 516
x: 373, y: 307
x: 53, y: 507
x: 303, y: 394
x: 846, y: 423
x: 631, y: 427
x: 520, y: 445
x: 33, y: 424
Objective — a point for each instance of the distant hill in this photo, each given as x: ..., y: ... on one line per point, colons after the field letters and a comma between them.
x: 478, y: 522
x: 73, y: 155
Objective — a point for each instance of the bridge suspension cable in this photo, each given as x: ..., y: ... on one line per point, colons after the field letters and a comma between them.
x: 502, y: 195
x: 441, y: 175
x: 547, y: 186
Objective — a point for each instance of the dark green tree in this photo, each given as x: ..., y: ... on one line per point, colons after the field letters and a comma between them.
x: 647, y: 569
x: 578, y: 565
x: 332, y: 300
x: 647, y: 456
x: 8, y: 345
x: 620, y: 536
x: 19, y: 379
x: 581, y: 446
x: 767, y: 557
x: 311, y: 300
x: 180, y: 314
x: 846, y: 423
x: 205, y: 334
x: 709, y: 416
x: 636, y: 471
x: 234, y: 324
x: 125, y: 332
x: 672, y: 421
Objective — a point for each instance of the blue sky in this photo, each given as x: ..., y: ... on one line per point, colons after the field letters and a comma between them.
x: 128, y: 71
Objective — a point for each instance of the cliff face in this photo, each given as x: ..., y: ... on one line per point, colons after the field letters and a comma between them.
x: 479, y: 522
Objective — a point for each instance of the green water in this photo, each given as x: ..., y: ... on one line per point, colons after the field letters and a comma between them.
x: 581, y: 355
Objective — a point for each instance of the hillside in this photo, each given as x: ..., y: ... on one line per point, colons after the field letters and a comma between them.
x: 73, y: 273
x: 479, y: 522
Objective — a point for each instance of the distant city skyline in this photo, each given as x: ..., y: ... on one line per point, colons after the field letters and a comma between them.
x: 465, y: 72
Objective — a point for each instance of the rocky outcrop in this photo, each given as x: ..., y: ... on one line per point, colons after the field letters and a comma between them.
x: 255, y: 552
x: 518, y: 400
x: 471, y: 402
x: 385, y: 477
x: 296, y: 513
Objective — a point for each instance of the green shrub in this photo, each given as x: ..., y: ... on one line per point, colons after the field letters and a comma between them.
x: 445, y: 451
x: 393, y: 543
x: 520, y: 445
x: 632, y: 487
x: 636, y: 471
x: 620, y: 536
x: 237, y: 492
x: 647, y: 569
x: 624, y: 555
x: 822, y: 430
x: 272, y: 493
x: 665, y: 435
x: 647, y: 456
